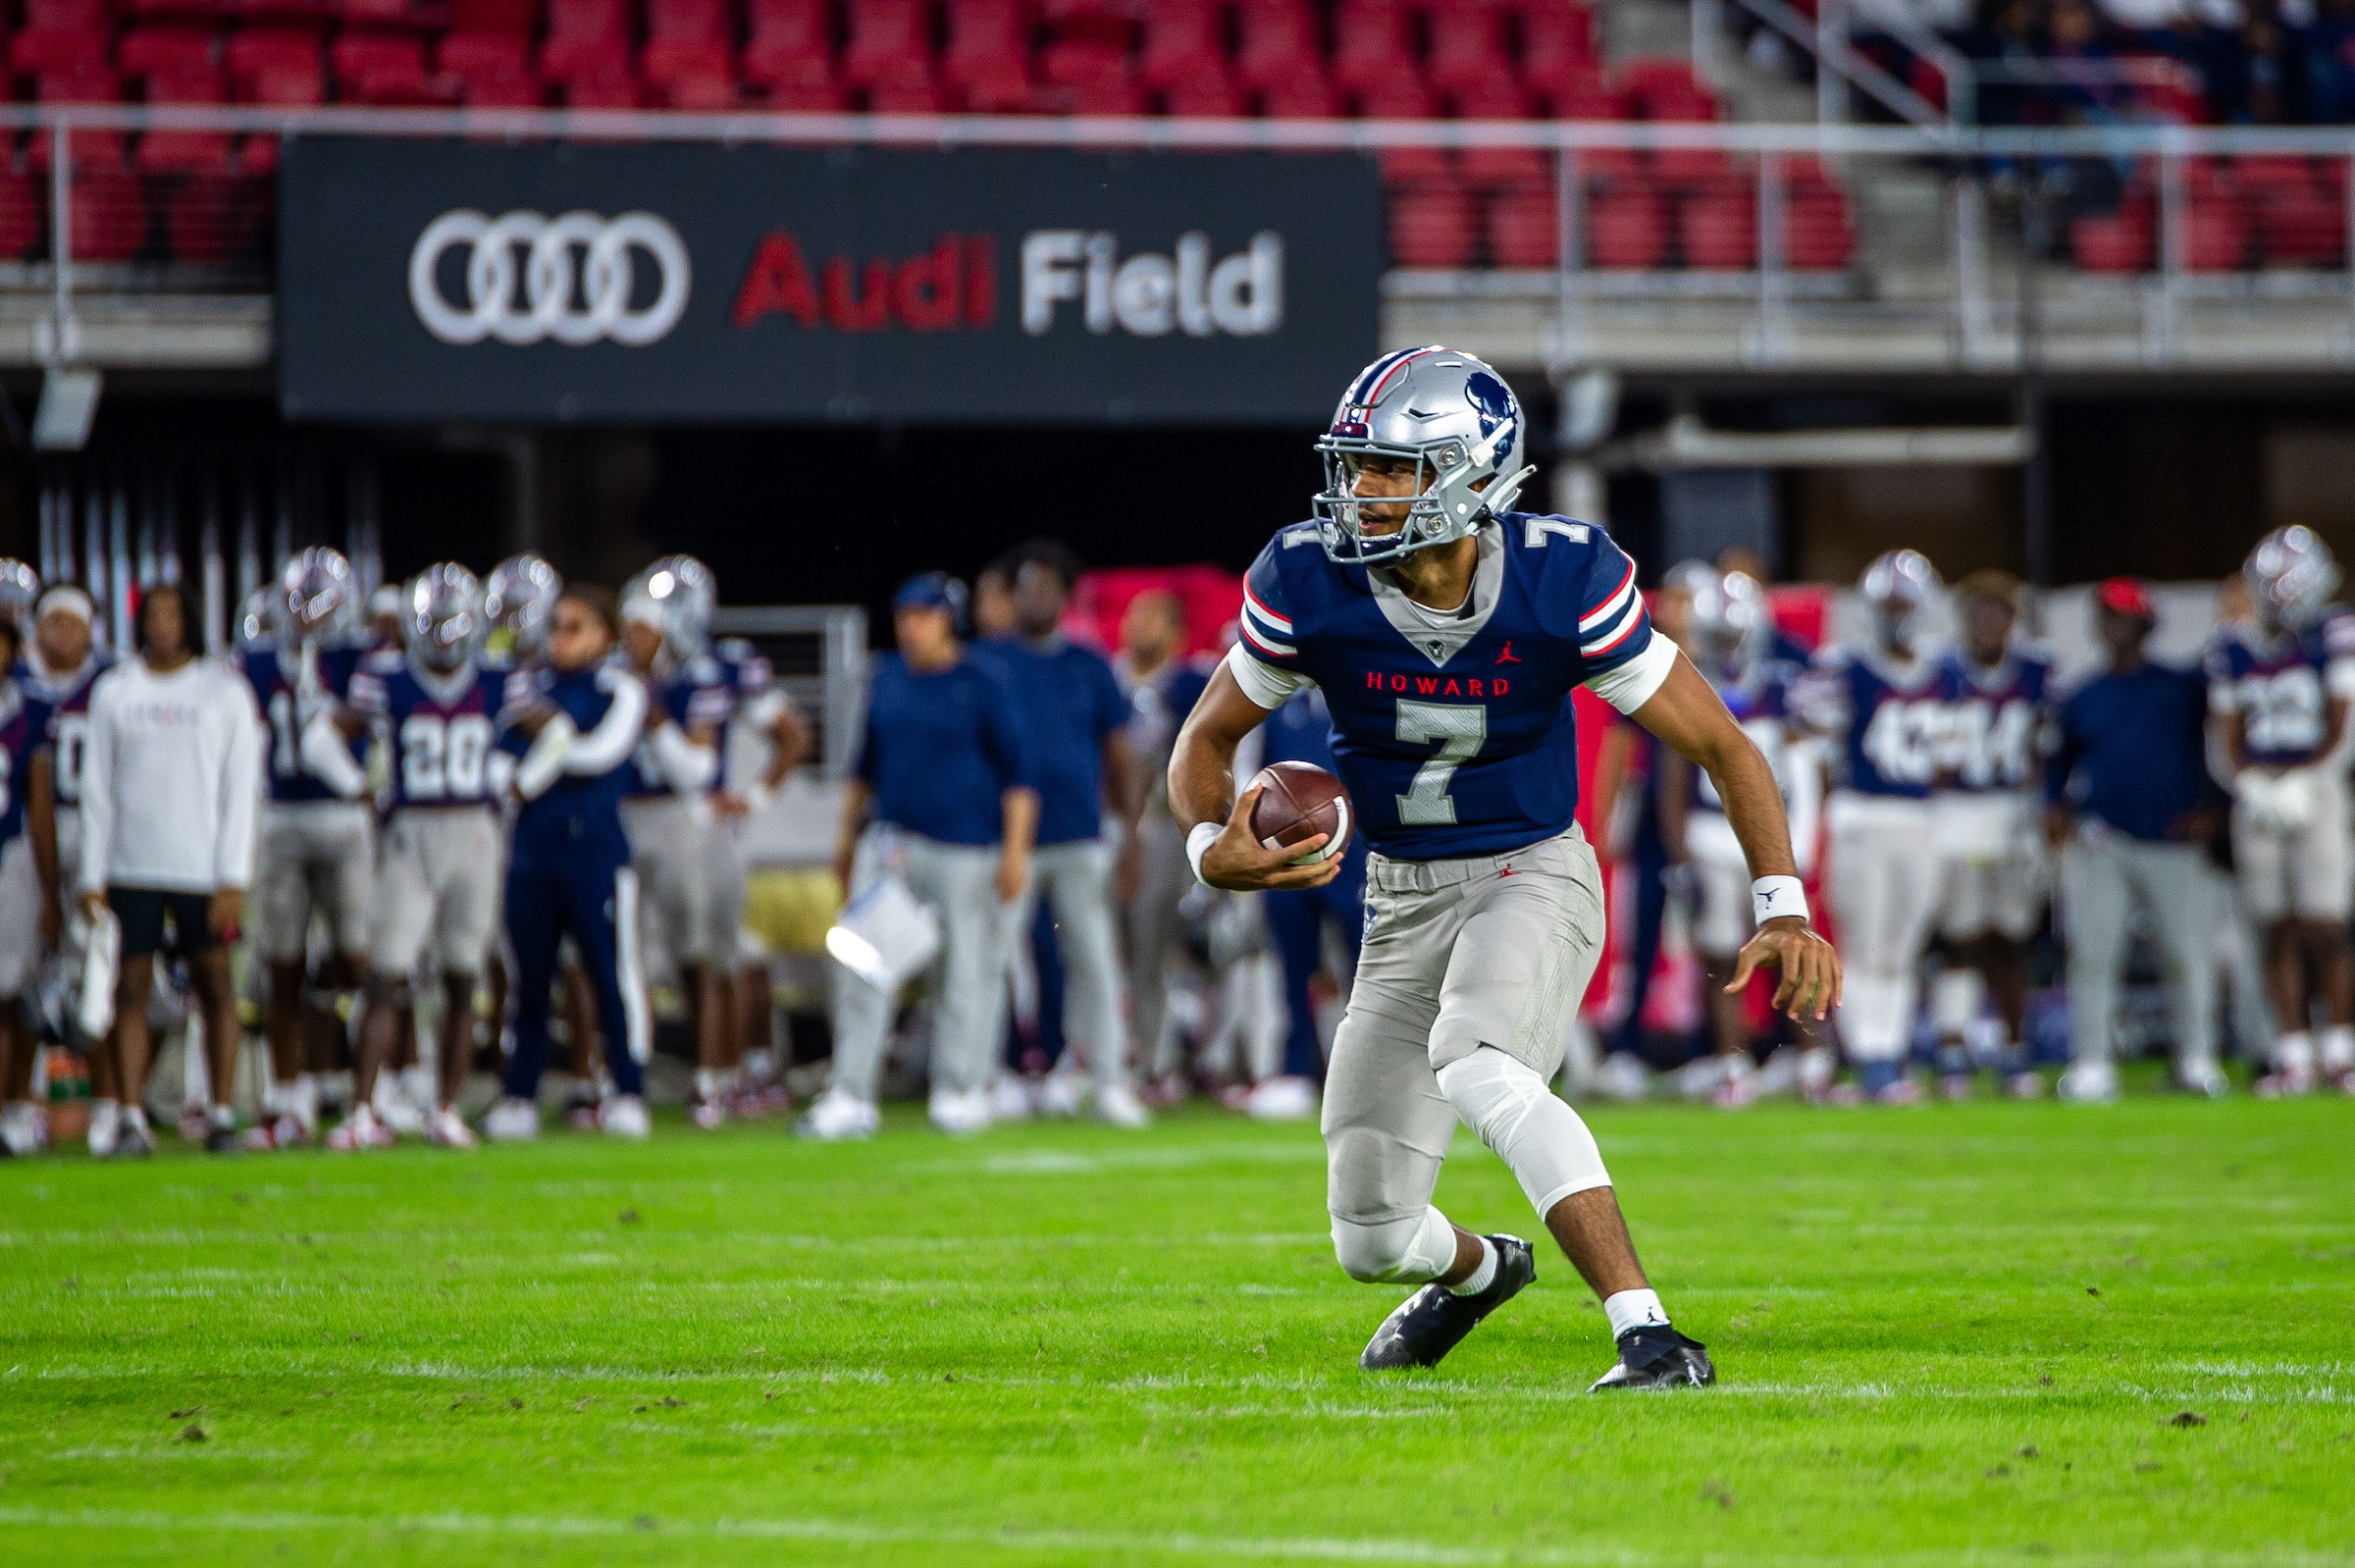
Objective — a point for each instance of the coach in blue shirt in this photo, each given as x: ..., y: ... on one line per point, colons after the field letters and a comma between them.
x: 2129, y: 804
x: 941, y: 799
x: 1074, y: 722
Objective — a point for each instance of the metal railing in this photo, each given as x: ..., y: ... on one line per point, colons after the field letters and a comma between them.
x: 1960, y: 290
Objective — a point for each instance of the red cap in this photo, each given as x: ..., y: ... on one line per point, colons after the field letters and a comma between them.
x: 2128, y: 596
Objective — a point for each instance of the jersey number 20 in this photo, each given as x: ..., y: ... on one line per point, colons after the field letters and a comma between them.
x: 1460, y: 732
x: 440, y: 759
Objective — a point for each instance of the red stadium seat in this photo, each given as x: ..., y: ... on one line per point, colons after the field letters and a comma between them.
x: 397, y: 16
x: 906, y: 86
x: 2272, y: 172
x: 24, y: 209
x: 1467, y: 49
x: 1372, y: 44
x: 379, y: 67
x: 1627, y: 228
x: 516, y: 19
x: 799, y: 85
x: 1212, y: 94
x: 1718, y: 230
x: 885, y: 37
x: 1279, y: 43
x: 602, y: 79
x: 65, y: 15
x: 173, y: 151
x: 988, y: 57
x: 1647, y: 76
x: 1525, y: 229
x: 688, y: 20
x: 689, y: 74
x: 1399, y: 99
x: 155, y: 51
x: 1816, y: 234
x: 1432, y: 228
x: 1695, y: 165
x: 1585, y: 98
x: 54, y: 52
x: 1307, y: 96
x: 1492, y: 167
x: 1182, y: 44
x: 108, y: 213
x: 1405, y: 167
x: 2215, y: 237
x: 803, y: 27
x: 196, y: 12
x: 2302, y: 227
x: 216, y: 219
x: 1088, y: 48
x: 589, y: 21
x: 488, y: 70
x: 1557, y: 40
x: 277, y: 52
x: 2116, y: 243
x: 284, y: 88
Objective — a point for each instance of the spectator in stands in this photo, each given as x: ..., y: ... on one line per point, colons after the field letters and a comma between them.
x: 941, y: 798
x: 2128, y: 806
x: 170, y: 789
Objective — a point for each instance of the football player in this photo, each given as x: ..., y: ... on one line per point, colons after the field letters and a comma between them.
x: 30, y: 920
x: 519, y: 599
x: 1984, y: 820
x: 1879, y: 704
x: 2278, y: 688
x: 317, y: 830
x: 1730, y: 639
x: 436, y: 881
x: 1163, y: 685
x: 1448, y: 631
x: 766, y: 709
x: 574, y: 722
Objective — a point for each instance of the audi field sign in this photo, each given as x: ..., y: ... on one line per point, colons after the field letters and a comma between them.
x: 674, y: 284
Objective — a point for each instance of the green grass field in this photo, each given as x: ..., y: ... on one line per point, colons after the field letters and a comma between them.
x: 1989, y: 1334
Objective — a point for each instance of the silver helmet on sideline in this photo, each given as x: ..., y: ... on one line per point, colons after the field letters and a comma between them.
x: 2292, y: 575
x: 442, y: 619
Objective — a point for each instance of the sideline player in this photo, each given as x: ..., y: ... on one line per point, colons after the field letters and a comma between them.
x: 1448, y: 632
x: 2279, y: 691
x: 436, y: 881
x: 1163, y: 685
x: 763, y: 706
x: 59, y: 669
x: 29, y: 920
x: 1729, y: 637
x: 1879, y: 704
x: 318, y: 847
x: 1984, y: 820
x: 569, y: 870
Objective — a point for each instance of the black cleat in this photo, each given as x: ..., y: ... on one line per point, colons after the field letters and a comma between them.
x: 1657, y: 1357
x: 1434, y: 1318
x: 219, y: 1140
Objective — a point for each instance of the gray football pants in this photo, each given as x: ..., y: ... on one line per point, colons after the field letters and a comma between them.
x: 1076, y: 880
x: 2100, y: 878
x: 1156, y: 936
x: 1496, y: 951
x: 959, y: 882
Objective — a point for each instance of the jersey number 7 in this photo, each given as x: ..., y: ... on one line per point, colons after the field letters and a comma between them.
x: 1460, y: 731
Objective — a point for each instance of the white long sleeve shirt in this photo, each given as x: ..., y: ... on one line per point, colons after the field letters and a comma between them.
x: 171, y: 780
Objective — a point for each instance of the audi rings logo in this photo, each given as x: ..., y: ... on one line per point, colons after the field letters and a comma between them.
x: 580, y: 276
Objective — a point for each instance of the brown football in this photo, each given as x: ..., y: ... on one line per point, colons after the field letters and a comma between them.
x: 1298, y: 801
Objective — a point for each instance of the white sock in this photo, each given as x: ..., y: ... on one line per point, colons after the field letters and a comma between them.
x: 1634, y: 1309
x: 707, y: 1083
x: 2338, y: 1047
x: 757, y: 1066
x: 2294, y: 1052
x: 1483, y: 1276
x: 221, y: 1116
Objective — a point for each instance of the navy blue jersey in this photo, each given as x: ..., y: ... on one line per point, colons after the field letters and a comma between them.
x: 1758, y: 696
x: 67, y: 700
x: 581, y: 811
x: 23, y: 731
x: 1454, y: 733
x: 941, y: 750
x: 1300, y: 731
x: 1889, y: 721
x: 1068, y: 701
x: 438, y: 729
x: 2282, y: 686
x: 702, y: 699
x: 1997, y: 723
x: 289, y: 699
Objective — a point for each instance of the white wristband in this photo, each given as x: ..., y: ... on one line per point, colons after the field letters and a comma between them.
x: 1198, y: 843
x: 1771, y: 898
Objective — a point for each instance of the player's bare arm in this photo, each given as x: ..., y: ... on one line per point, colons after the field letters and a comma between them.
x: 40, y: 825
x: 1687, y: 715
x: 1202, y: 790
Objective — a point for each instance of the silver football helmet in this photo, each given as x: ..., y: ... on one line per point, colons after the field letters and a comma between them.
x: 20, y: 591
x: 1900, y: 585
x: 2292, y: 575
x: 1730, y: 619
x: 518, y: 602
x: 317, y: 596
x: 254, y: 623
x: 684, y: 589
x: 442, y: 619
x: 1450, y: 415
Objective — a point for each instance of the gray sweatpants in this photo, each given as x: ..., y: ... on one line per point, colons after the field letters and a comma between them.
x: 2102, y: 875
x: 959, y: 882
x: 1076, y: 881
x: 1494, y: 950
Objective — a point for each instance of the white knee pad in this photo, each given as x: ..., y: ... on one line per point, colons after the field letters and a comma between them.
x: 1408, y: 1251
x: 1955, y: 998
x: 1504, y: 1102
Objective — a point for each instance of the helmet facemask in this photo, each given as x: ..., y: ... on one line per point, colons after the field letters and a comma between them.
x: 1449, y: 500
x: 443, y: 622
